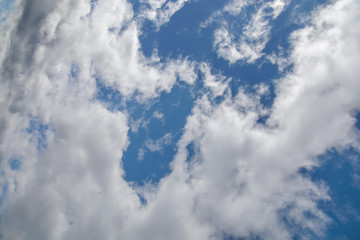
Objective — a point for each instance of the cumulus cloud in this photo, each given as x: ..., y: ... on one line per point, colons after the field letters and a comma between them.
x: 241, y: 178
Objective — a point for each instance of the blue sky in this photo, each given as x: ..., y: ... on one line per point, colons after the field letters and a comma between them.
x: 5, y: 8
x: 180, y: 119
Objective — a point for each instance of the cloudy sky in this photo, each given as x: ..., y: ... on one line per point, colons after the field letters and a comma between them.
x: 179, y: 119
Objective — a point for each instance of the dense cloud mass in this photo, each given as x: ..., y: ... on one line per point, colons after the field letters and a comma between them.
x: 232, y: 175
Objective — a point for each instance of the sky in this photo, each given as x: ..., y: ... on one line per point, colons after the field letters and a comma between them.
x: 179, y: 119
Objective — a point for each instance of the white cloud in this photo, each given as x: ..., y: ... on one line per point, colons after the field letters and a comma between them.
x: 141, y: 154
x: 235, y: 7
x: 160, y: 11
x: 279, y: 60
x: 155, y: 145
x: 184, y: 69
x: 210, y: 20
x: 72, y: 179
x: 249, y: 44
x: 216, y: 83
x: 158, y: 115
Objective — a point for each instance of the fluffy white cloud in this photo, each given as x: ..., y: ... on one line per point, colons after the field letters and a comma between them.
x: 241, y: 178
x: 61, y: 192
x: 240, y: 175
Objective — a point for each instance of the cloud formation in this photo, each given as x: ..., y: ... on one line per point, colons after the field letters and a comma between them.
x: 160, y: 11
x: 231, y: 175
x: 248, y: 43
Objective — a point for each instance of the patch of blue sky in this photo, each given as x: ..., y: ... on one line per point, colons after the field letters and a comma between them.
x: 339, y: 170
x: 357, y: 119
x: 92, y: 5
x: 15, y: 163
x: 3, y: 192
x: 181, y: 36
x: 156, y: 118
x: 105, y: 94
x: 136, y: 4
x: 297, y: 231
x: 6, y: 6
x: 38, y: 130
x: 173, y: 108
x: 293, y: 17
x: 191, y: 151
x: 74, y: 71
x: 110, y: 96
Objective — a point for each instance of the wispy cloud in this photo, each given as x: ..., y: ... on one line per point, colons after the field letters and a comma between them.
x: 160, y: 11
x: 245, y: 44
x: 155, y: 145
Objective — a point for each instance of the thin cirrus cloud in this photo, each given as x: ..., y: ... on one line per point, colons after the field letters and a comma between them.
x: 240, y: 178
x: 160, y: 11
x: 246, y: 43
